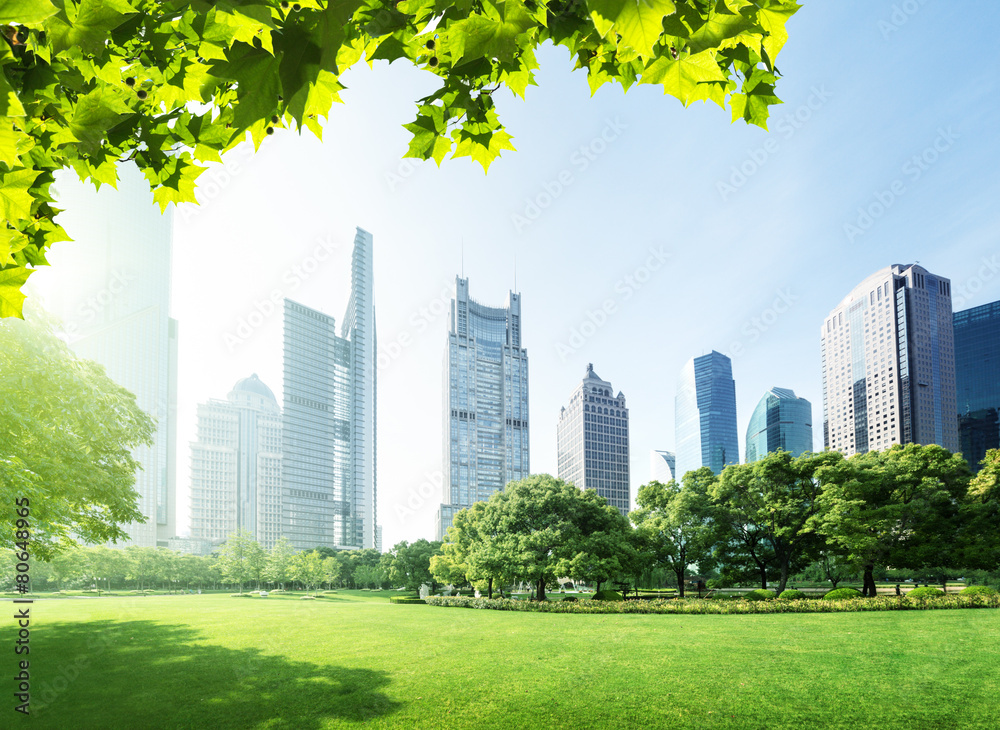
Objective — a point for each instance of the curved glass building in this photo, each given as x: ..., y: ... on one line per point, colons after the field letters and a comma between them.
x: 705, y: 415
x: 781, y: 421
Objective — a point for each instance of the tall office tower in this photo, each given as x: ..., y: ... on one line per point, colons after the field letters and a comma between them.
x: 592, y: 438
x: 889, y: 364
x: 705, y: 415
x: 662, y: 466
x: 236, y: 466
x: 328, y: 433
x: 781, y: 421
x: 977, y: 380
x: 110, y: 288
x: 485, y: 402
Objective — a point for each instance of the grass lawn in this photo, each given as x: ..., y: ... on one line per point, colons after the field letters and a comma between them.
x: 351, y: 658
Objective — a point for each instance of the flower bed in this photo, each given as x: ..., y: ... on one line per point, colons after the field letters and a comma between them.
x: 695, y: 606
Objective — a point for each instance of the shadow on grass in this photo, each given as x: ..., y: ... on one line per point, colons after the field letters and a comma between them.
x: 144, y: 674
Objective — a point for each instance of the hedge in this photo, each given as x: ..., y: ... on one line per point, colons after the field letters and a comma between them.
x: 841, y: 594
x: 709, y: 606
x: 761, y: 594
x: 790, y: 594
x: 978, y: 591
x: 405, y: 600
x: 925, y: 592
x: 607, y: 595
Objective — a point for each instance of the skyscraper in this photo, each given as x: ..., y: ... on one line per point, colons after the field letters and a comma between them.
x: 110, y: 288
x: 781, y: 421
x: 977, y: 380
x: 592, y: 437
x: 889, y: 364
x: 485, y: 402
x: 705, y: 414
x: 329, y: 429
x: 662, y: 466
x: 236, y: 465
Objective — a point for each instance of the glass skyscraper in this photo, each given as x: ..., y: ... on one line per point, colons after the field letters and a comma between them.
x: 889, y: 364
x: 977, y: 380
x: 236, y: 466
x: 781, y: 421
x: 705, y: 415
x: 485, y: 402
x: 110, y: 287
x: 328, y: 465
x: 592, y: 438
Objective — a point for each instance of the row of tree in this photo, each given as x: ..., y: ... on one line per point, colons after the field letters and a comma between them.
x: 913, y: 507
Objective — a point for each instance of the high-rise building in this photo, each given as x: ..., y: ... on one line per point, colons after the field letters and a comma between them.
x: 662, y: 466
x: 592, y: 438
x: 889, y: 364
x: 705, y: 415
x: 236, y: 466
x: 329, y: 426
x: 110, y: 288
x: 780, y: 422
x: 977, y: 380
x: 485, y: 402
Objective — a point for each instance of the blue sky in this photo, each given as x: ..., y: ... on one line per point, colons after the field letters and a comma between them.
x: 701, y: 234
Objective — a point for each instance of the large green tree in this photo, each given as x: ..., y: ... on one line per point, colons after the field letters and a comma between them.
x: 409, y: 565
x: 172, y: 84
x: 675, y: 523
x: 899, y: 508
x: 241, y: 558
x: 66, y: 437
x: 279, y: 561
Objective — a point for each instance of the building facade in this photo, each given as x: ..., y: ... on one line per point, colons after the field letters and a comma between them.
x: 110, y: 288
x: 662, y: 466
x: 705, y: 415
x: 977, y: 380
x: 486, y: 432
x: 889, y: 364
x: 236, y: 466
x: 780, y: 422
x: 329, y: 488
x: 592, y: 441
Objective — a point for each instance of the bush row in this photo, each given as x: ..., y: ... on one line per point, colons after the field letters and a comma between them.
x: 406, y: 599
x: 696, y: 606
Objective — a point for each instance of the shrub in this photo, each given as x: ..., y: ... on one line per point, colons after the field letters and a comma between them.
x: 570, y: 598
x: 790, y: 594
x: 842, y: 594
x: 761, y: 594
x: 978, y: 591
x: 925, y: 592
x: 241, y: 595
x: 606, y: 595
x: 307, y: 598
x: 406, y: 600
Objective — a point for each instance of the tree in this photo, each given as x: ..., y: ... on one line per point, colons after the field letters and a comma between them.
x: 369, y: 576
x: 65, y: 444
x: 472, y: 547
x: 279, y: 561
x: 141, y: 565
x: 675, y: 523
x: 410, y: 565
x: 331, y: 570
x: 240, y: 558
x: 170, y: 84
x: 774, y: 499
x: 899, y: 507
x: 979, y: 536
x: 307, y: 568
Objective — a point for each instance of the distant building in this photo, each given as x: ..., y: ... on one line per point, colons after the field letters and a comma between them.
x: 662, y: 466
x: 110, y: 288
x: 329, y: 421
x: 486, y: 436
x: 236, y: 466
x: 705, y: 415
x: 193, y: 545
x: 889, y: 364
x: 977, y: 380
x: 781, y: 422
x: 592, y: 438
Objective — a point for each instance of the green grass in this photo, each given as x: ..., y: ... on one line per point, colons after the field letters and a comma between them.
x: 351, y: 659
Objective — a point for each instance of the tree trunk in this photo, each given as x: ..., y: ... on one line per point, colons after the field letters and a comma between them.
x: 763, y: 576
x: 489, y: 591
x: 598, y: 589
x: 540, y: 596
x: 868, y: 588
x: 680, y: 581
x: 784, y: 578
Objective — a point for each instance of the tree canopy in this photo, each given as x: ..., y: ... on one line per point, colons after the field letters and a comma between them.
x: 66, y: 435
x: 172, y: 84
